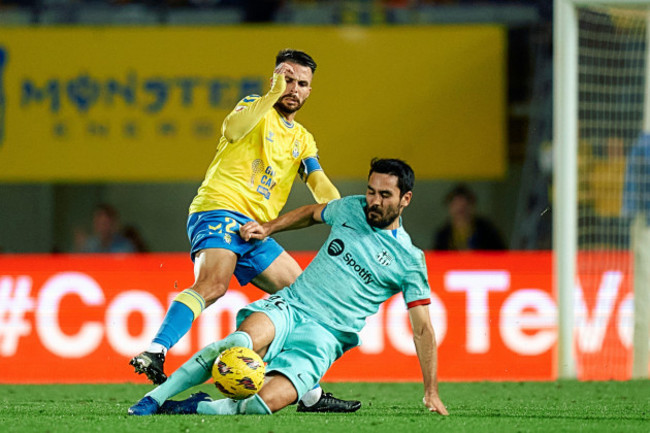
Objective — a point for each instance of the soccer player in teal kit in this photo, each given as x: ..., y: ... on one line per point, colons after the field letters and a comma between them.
x: 301, y: 330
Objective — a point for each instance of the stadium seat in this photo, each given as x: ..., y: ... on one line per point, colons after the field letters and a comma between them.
x: 309, y: 13
x: 101, y: 14
x: 15, y: 16
x: 511, y: 14
x: 57, y: 14
x: 205, y: 16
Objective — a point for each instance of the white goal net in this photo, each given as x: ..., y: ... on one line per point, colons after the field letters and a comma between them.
x: 612, y: 178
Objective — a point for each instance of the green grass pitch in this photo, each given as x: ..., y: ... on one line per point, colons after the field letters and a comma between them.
x: 564, y: 406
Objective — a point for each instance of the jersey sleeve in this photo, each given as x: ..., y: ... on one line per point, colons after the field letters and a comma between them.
x: 343, y: 209
x: 246, y: 101
x: 238, y: 123
x: 331, y: 211
x: 309, y: 158
x: 415, y: 284
x: 249, y: 112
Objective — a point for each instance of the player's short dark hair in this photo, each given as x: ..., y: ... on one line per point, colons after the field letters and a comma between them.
x: 395, y: 167
x: 296, y: 56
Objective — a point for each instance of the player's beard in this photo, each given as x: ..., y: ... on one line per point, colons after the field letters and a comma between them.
x: 381, y: 219
x: 282, y: 108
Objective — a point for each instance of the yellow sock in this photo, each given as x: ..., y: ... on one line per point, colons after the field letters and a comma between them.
x: 193, y: 300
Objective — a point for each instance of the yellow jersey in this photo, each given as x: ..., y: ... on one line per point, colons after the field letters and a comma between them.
x: 254, y: 174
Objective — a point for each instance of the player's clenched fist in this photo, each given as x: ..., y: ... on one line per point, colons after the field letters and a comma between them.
x: 252, y: 230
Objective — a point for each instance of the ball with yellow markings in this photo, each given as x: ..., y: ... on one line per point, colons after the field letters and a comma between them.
x: 238, y: 373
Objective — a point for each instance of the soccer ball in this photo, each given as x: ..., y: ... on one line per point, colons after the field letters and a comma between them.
x: 238, y: 373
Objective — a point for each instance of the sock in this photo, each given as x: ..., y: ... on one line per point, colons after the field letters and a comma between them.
x: 253, y: 405
x: 312, y: 396
x: 198, y: 368
x: 157, y: 348
x: 185, y: 308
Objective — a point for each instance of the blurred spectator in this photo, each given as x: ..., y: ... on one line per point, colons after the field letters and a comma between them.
x: 636, y: 193
x: 606, y: 179
x: 106, y: 237
x: 464, y: 230
x: 133, y: 234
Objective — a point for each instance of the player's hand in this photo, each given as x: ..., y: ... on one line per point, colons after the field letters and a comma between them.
x: 282, y: 71
x: 252, y: 230
x: 285, y: 69
x: 434, y: 404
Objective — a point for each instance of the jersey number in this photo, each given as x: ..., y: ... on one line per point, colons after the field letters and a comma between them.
x: 230, y: 226
x: 277, y: 301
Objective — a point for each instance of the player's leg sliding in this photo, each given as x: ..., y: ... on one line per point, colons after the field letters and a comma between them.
x: 199, y: 368
x: 253, y: 405
x: 194, y: 372
x: 185, y: 308
x: 201, y: 403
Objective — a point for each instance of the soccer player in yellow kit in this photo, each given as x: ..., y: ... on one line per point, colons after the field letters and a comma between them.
x: 261, y: 150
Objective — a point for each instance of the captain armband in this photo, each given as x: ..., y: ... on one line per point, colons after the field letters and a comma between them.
x: 308, y: 166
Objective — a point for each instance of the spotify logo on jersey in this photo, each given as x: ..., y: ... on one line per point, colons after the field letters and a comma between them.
x: 335, y: 247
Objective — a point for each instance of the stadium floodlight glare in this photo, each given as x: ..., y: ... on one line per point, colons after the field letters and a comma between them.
x: 601, y: 129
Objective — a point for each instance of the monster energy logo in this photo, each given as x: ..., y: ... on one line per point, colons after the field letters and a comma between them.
x: 148, y: 95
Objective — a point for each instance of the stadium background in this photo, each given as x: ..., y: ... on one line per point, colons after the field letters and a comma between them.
x: 489, y: 159
x: 450, y: 87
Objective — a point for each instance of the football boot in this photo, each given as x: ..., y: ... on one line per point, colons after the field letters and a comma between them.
x: 150, y: 364
x: 184, y: 407
x: 329, y: 403
x: 146, y: 406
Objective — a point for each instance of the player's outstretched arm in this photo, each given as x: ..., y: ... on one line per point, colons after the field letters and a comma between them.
x: 296, y: 219
x: 244, y: 118
x: 427, y: 351
x: 321, y: 187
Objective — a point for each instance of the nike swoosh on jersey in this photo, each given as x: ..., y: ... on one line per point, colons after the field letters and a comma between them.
x: 347, y: 226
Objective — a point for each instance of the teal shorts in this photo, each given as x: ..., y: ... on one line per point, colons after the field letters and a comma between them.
x: 303, y: 349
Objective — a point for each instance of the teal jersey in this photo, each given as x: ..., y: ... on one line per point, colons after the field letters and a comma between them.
x: 357, y: 269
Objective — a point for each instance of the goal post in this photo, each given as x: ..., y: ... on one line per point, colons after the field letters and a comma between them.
x: 601, y: 195
x: 565, y: 133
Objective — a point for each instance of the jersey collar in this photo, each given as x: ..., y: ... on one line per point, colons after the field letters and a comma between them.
x: 393, y: 232
x: 285, y: 122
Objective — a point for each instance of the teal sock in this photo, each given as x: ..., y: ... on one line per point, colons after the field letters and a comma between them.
x: 253, y: 405
x: 198, y: 368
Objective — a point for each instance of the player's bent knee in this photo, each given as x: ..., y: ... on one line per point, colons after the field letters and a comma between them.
x: 210, y: 292
x: 278, y: 392
x: 261, y: 330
